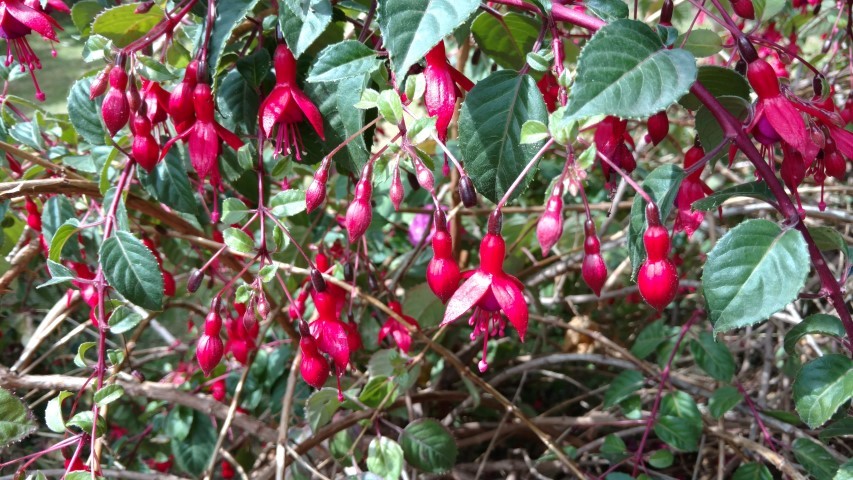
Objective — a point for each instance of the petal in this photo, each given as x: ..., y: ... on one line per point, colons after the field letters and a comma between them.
x: 332, y: 340
x: 309, y: 110
x: 787, y: 122
x: 466, y: 296
x: 843, y: 141
x: 460, y: 79
x: 32, y: 18
x: 403, y: 339
x: 512, y: 302
x: 273, y: 107
x: 228, y: 136
x: 204, y: 148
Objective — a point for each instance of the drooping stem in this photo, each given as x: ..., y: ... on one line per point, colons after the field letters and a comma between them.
x: 524, y: 173
x: 622, y: 173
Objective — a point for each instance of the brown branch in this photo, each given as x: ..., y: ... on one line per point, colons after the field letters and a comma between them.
x: 19, y: 264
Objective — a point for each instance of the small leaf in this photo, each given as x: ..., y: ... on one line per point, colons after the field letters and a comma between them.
x: 701, y: 42
x: 287, y: 203
x: 428, y: 446
x: 320, y: 407
x: 625, y: 384
x: 828, y: 238
x: 534, y: 131
x: 83, y: 421
x: 63, y: 233
x: 169, y: 183
x: 723, y: 400
x: 713, y: 357
x: 228, y: 15
x: 53, y: 417
x: 680, y: 422
x: 123, y: 319
x: 192, y: 454
x: 845, y: 471
x: 80, y: 358
x: 123, y: 25
x: 614, y: 449
x: 819, y: 323
x: 821, y: 387
x: 267, y: 274
x: 607, y: 10
x: 421, y: 130
x: 649, y: 339
x: 662, y: 185
x: 342, y: 60
x: 238, y: 240
x: 815, y: 459
x: 756, y: 189
x: 720, y: 81
x: 752, y: 471
x: 302, y: 22
x: 15, y: 419
x: 108, y: 394
x: 506, y: 39
x: 59, y: 273
x: 661, y: 459
x: 710, y: 132
x: 369, y: 99
x: 255, y: 67
x: 233, y: 211
x: 377, y: 389
x: 753, y: 272
x: 390, y: 106
x: 385, y: 458
x: 132, y: 270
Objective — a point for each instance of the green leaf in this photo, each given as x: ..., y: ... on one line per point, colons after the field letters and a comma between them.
x: 303, y: 22
x: 108, y: 394
x: 192, y: 454
x: 723, y: 400
x: 376, y: 390
x: 821, y: 387
x: 819, y: 323
x: 287, y: 203
x: 662, y: 185
x: 80, y: 358
x: 815, y: 459
x: 233, y: 211
x: 845, y: 471
x: 82, y: 476
x: 709, y: 130
x: 342, y: 60
x: 420, y: 130
x: 320, y: 407
x: 390, y: 106
x: 84, y: 421
x: 720, y: 81
x: 238, y: 102
x: 267, y: 273
x: 701, y: 42
x: 713, y: 357
x: 753, y: 272
x: 607, y: 10
x: 625, y: 71
x: 385, y: 458
x: 255, y: 67
x: 428, y: 446
x: 82, y: 14
x: 53, y: 417
x: 123, y: 319
x: 755, y: 189
x: 132, y: 270
x: 228, y: 15
x: 490, y: 131
x: 40, y: 476
x: 59, y: 273
x: 123, y: 25
x: 15, y: 419
x: 55, y: 212
x: 508, y: 39
x: 840, y: 428
x: 238, y: 240
x: 625, y: 384
x: 410, y: 28
x: 169, y: 183
x: 661, y: 459
x: 680, y: 423
x: 534, y: 131
x: 752, y: 471
x: 828, y: 238
x: 178, y: 423
x: 614, y: 449
x: 767, y: 9
x: 84, y: 113
x: 63, y: 233
x: 649, y: 339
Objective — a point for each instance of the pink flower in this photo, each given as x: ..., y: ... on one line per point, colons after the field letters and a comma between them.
x: 287, y: 106
x: 610, y: 138
x: 550, y: 90
x: 490, y: 291
x: 775, y: 108
x: 17, y: 20
x: 691, y: 190
x: 442, y: 272
x: 396, y: 330
x: 441, y: 88
x: 550, y: 225
x: 181, y: 99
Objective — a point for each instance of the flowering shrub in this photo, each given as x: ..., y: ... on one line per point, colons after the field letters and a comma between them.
x: 247, y: 245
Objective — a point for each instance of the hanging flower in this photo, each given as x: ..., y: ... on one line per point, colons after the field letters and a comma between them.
x: 441, y: 88
x: 691, y: 190
x: 401, y: 335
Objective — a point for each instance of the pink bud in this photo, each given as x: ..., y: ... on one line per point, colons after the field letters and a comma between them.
x: 594, y: 270
x: 360, y: 211
x: 316, y: 193
x: 145, y: 150
x: 744, y: 9
x: 209, y: 352
x: 217, y: 390
x: 550, y: 225
x: 99, y: 84
x: 396, y: 192
x: 442, y: 272
x: 181, y: 98
x: 116, y: 109
x: 314, y: 367
x: 658, y: 125
x: 425, y: 178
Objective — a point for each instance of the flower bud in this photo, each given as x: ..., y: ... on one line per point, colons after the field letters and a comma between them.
x: 360, y: 212
x: 658, y: 125
x: 763, y: 79
x: 744, y: 9
x: 263, y: 306
x: 442, y: 271
x: 467, y: 192
x: 195, y: 280
x: 834, y: 164
x: 396, y: 191
x: 593, y: 270
x: 425, y: 178
x: 33, y: 215
x: 209, y: 352
x: 134, y: 100
x: 145, y: 150
x: 99, y: 83
x: 116, y: 109
x: 550, y: 225
x: 658, y: 282
x: 218, y: 390
x: 168, y: 284
x: 316, y: 193
x: 213, y: 323
x: 317, y: 280
x: 181, y: 99
x: 314, y: 367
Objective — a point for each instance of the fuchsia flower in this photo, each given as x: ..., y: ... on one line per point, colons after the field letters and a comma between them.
x: 441, y: 88
x: 287, y: 106
x: 360, y: 212
x: 156, y: 101
x: 550, y: 90
x: 610, y: 139
x: 442, y: 272
x: 396, y: 330
x: 490, y: 291
x: 691, y: 190
x: 18, y: 18
x: 550, y: 225
x: 181, y: 99
x: 775, y: 109
x: 210, y: 349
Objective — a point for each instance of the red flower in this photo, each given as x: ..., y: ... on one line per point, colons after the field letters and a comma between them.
x: 776, y: 109
x: 287, y: 106
x: 17, y: 20
x: 398, y: 332
x: 156, y: 101
x: 442, y: 272
x: 327, y: 334
x: 550, y: 90
x: 181, y: 99
x: 610, y: 137
x: 692, y: 189
x: 490, y: 291
x: 441, y: 88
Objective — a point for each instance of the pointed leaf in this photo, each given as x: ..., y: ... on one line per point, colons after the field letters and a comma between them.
x: 821, y: 387
x: 713, y: 357
x: 385, y: 458
x: 815, y: 459
x: 757, y: 189
x: 428, y: 446
x: 15, y: 419
x: 123, y: 25
x: 723, y: 400
x: 132, y: 270
x: 228, y: 15
x: 752, y: 471
x: 818, y: 323
x: 302, y: 22
x: 506, y: 40
x: 342, y: 60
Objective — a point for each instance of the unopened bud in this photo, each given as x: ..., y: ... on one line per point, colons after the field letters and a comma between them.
x: 195, y: 280
x: 467, y: 192
x: 317, y: 280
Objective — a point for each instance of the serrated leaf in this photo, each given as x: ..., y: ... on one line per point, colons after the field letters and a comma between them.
x: 819, y: 323
x: 238, y: 240
x: 680, y: 422
x: 123, y: 319
x: 662, y: 185
x: 255, y: 67
x: 238, y: 102
x: 649, y: 339
x: 623, y: 386
x: 752, y: 471
x: 815, y: 459
x: 507, y: 39
x: 15, y: 421
x: 59, y: 273
x: 428, y: 446
x: 385, y: 458
x: 607, y: 10
x: 320, y: 407
x: 123, y: 25
x: 228, y: 15
x: 132, y: 270
x: 720, y: 81
x: 342, y: 60
x: 723, y: 400
x: 302, y: 22
x: 55, y: 212
x: 410, y: 28
x: 625, y: 71
x: 82, y: 14
x: 753, y: 272
x: 84, y: 113
x: 701, y: 42
x: 534, y: 132
x: 267, y: 274
x: 287, y: 203
x: 390, y: 106
x: 756, y: 189
x: 108, y: 394
x: 192, y: 454
x: 490, y: 131
x: 53, y: 417
x: 169, y: 183
x: 713, y: 357
x: 233, y: 211
x: 821, y: 387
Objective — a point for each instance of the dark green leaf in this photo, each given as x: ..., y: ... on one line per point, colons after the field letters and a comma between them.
x: 15, y: 420
x: 723, y: 400
x: 192, y: 454
x: 709, y: 130
x: 428, y: 446
x: 821, y: 387
x: 255, y: 67
x: 753, y: 271
x: 752, y: 471
x: 614, y: 449
x: 662, y: 185
x: 63, y: 233
x: 342, y: 60
x: 625, y: 71
x: 228, y: 15
x: 59, y: 273
x: 661, y: 459
x: 108, y: 394
x: 83, y: 421
x: 303, y: 22
x: 625, y: 384
x: 377, y: 389
x: 56, y: 212
x: 385, y: 458
x: 508, y: 39
x: 828, y: 238
x: 170, y: 184
x: 123, y: 319
x: 132, y: 270
x: 819, y: 323
x: 713, y: 357
x: 608, y: 10
x: 649, y: 339
x: 756, y: 189
x: 410, y: 28
x: 320, y: 407
x: 815, y: 459
x: 178, y: 423
x: 238, y: 102
x: 702, y: 42
x: 490, y: 131
x: 680, y: 422
x: 720, y: 81
x: 840, y: 428
x: 123, y: 25
x: 84, y: 113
